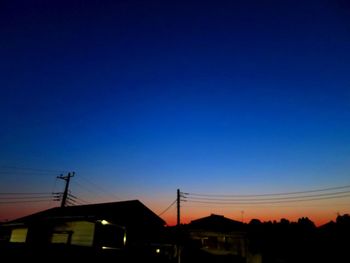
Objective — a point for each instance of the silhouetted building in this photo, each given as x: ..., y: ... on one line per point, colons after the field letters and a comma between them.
x: 218, y: 235
x: 96, y: 228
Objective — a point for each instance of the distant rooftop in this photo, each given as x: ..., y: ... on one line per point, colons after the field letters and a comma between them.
x: 216, y: 223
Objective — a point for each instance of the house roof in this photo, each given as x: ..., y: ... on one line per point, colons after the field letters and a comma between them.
x: 125, y: 213
x: 217, y: 223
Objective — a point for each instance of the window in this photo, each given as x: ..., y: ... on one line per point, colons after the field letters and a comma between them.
x: 62, y: 237
x: 79, y: 233
x: 19, y: 235
x: 112, y: 236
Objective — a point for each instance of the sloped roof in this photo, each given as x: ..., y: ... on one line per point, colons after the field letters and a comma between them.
x: 130, y: 212
x: 216, y: 223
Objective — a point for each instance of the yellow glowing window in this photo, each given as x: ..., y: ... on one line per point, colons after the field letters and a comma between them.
x: 60, y: 238
x: 79, y: 233
x: 19, y: 235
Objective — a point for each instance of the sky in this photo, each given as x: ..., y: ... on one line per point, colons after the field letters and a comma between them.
x: 141, y: 98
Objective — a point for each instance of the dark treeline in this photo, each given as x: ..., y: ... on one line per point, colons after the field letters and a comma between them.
x: 300, y: 241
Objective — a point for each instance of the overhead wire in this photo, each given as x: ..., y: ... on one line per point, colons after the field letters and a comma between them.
x: 53, y: 190
x: 271, y: 194
x: 166, y: 209
x: 28, y: 197
x: 29, y: 169
x: 90, y: 187
x: 24, y: 193
x: 88, y: 190
x: 77, y: 199
x: 94, y: 185
x: 250, y: 199
x: 85, y: 184
x: 271, y: 198
x: 25, y: 197
x: 270, y: 202
x: 20, y: 202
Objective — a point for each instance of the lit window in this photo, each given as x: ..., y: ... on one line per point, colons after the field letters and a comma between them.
x: 19, y: 235
x: 60, y: 238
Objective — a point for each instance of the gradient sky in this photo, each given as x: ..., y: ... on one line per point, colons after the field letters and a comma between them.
x: 140, y: 98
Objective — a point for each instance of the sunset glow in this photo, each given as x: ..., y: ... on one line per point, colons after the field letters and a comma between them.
x: 141, y: 98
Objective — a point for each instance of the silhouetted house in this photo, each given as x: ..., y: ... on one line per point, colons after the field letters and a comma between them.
x: 95, y: 227
x: 219, y: 235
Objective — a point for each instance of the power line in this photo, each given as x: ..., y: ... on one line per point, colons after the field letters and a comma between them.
x: 32, y: 169
x: 53, y: 191
x: 166, y: 209
x: 17, y: 170
x: 77, y: 199
x: 263, y: 206
x: 270, y: 202
x: 101, y: 188
x: 72, y: 196
x: 87, y: 189
x: 70, y: 201
x: 25, y: 201
x: 22, y: 197
x: 250, y: 199
x: 81, y: 203
x: 28, y: 173
x: 25, y: 193
x: 272, y: 194
x: 268, y: 199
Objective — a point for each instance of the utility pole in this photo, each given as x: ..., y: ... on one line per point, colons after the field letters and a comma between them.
x: 65, y: 193
x: 178, y: 248
x: 178, y: 199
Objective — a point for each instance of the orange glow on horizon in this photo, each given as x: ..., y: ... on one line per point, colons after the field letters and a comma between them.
x: 318, y: 221
x: 318, y: 212
x: 318, y: 215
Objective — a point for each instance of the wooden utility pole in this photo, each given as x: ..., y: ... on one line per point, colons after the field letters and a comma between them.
x: 65, y: 193
x: 178, y: 199
x: 178, y: 248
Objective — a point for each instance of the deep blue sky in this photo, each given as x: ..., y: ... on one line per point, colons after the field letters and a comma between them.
x: 148, y: 96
